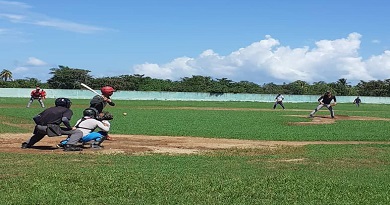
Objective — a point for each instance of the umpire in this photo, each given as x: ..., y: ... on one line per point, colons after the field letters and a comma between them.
x: 48, y: 123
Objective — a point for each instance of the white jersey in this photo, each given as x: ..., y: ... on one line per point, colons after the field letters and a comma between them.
x: 88, y: 125
x: 279, y: 98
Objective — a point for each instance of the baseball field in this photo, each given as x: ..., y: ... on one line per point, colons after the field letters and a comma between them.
x: 176, y: 152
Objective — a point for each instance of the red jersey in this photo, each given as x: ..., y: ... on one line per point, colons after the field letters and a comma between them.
x: 36, y: 94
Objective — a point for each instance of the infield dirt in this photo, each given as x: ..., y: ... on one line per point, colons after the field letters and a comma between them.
x: 142, y: 144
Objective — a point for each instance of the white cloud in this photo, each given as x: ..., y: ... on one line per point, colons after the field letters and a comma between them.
x: 17, y: 12
x: 3, y: 31
x: 269, y: 61
x: 31, y: 65
x: 20, y: 69
x: 32, y: 61
x: 376, y: 41
x: 32, y: 68
x: 13, y: 5
x: 379, y: 66
x: 66, y: 25
x: 12, y: 17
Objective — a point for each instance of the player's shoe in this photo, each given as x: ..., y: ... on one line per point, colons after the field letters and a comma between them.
x: 96, y: 146
x: 25, y: 145
x: 68, y: 147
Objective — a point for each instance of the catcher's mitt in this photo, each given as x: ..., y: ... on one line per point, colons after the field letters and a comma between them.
x: 105, y: 116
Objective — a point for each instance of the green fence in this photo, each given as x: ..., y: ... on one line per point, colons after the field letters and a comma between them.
x: 184, y: 96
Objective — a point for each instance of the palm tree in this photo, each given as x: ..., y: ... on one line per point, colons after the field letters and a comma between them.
x: 6, y: 75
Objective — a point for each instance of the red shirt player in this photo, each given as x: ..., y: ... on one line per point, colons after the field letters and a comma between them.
x: 37, y: 94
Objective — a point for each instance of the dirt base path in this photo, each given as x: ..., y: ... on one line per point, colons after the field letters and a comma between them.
x: 140, y: 144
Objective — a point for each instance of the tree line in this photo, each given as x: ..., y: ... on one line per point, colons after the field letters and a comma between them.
x: 65, y: 77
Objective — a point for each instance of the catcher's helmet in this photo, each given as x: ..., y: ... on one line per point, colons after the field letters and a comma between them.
x: 107, y: 90
x: 90, y: 112
x: 63, y: 102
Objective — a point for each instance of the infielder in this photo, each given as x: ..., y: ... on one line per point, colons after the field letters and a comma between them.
x: 37, y: 94
x: 279, y: 100
x: 357, y: 101
x: 325, y: 100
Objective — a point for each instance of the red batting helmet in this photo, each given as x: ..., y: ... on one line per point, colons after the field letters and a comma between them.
x: 107, y: 90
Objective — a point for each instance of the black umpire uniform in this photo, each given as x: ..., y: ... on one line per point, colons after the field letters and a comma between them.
x: 48, y: 122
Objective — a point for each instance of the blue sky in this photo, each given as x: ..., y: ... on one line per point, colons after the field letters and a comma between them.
x: 258, y: 41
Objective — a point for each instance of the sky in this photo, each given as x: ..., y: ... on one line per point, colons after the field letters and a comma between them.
x: 279, y: 41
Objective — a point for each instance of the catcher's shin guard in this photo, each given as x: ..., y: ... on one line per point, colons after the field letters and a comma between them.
x: 96, y: 137
x: 98, y: 142
x: 107, y: 137
x: 91, y: 136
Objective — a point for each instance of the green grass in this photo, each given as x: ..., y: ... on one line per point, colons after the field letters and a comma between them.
x: 312, y: 174
x: 238, y: 120
x: 338, y: 174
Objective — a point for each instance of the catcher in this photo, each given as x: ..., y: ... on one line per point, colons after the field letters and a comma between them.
x: 325, y: 100
x: 37, y: 94
x: 87, y: 124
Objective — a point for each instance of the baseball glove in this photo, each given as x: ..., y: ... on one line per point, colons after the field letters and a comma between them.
x: 105, y: 116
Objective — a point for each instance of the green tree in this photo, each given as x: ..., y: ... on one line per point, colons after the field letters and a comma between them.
x: 196, y: 83
x: 222, y: 85
x: 150, y: 84
x: 27, y: 83
x: 318, y: 88
x: 68, y: 78
x: 341, y: 87
x: 6, y: 75
x: 373, y: 88
x: 272, y: 88
x: 246, y: 87
x: 298, y: 87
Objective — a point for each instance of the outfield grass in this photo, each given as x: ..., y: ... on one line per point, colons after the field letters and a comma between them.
x: 313, y: 174
x: 236, y: 120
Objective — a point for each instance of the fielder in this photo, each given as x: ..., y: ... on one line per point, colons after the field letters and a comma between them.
x: 357, y: 101
x: 37, y: 94
x: 90, y: 121
x: 325, y: 100
x: 279, y: 100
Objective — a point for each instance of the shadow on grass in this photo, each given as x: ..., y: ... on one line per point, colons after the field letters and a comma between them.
x: 43, y: 147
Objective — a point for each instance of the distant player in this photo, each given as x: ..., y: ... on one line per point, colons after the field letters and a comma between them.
x: 325, y: 101
x: 357, y: 101
x: 279, y: 100
x: 37, y: 94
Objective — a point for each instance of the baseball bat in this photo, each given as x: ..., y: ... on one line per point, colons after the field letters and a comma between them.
x: 90, y: 89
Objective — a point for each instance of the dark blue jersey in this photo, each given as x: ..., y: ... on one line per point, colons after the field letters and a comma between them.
x: 326, y: 99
